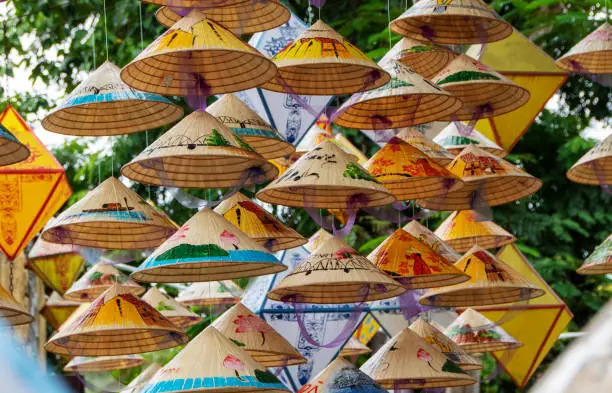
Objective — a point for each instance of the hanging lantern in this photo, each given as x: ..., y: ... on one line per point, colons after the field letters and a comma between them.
x: 592, y: 54
x: 454, y: 139
x: 212, y: 293
x: 341, y: 375
x: 97, y: 280
x: 465, y: 229
x: 11, y: 312
x: 425, y: 58
x: 600, y: 260
x: 58, y: 265
x: 171, y: 309
x: 354, y: 347
x: 475, y: 333
x: 57, y: 310
x: 12, y: 150
x: 83, y: 364
x: 430, y: 148
x: 595, y: 167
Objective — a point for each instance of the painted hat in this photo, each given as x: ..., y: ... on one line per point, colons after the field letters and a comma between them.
x: 12, y: 150
x: 491, y: 282
x: 354, y: 347
x: 212, y: 293
x: 316, y: 134
x: 97, y: 280
x: 11, y: 312
x: 335, y: 274
x: 207, y: 248
x: 433, y: 150
x: 83, y: 364
x: 600, y: 260
x: 110, y: 216
x: 595, y: 167
x: 455, y: 140
x: 199, y: 152
x: 57, y: 310
x: 425, y: 58
x: 58, y: 265
x: 465, y: 229
x: 317, y: 239
x: 197, y: 3
x: 473, y: 332
x: 592, y: 55
x: 176, y: 313
x: 322, y: 62
x: 426, y: 236
x: 103, y: 105
x: 341, y: 376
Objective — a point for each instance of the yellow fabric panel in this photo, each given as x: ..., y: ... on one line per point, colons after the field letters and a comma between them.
x: 58, y: 271
x: 367, y: 330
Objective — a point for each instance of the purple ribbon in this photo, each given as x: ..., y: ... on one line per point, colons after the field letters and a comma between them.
x: 328, y: 223
x: 409, y: 304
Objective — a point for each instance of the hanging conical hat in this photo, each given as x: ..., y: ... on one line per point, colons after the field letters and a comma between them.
x: 485, y: 93
x: 116, y: 323
x: 199, y: 152
x: 453, y: 140
x: 198, y: 3
x: 212, y: 293
x: 145, y: 375
x: 473, y: 332
x: 491, y: 282
x: 251, y: 333
x: 408, y: 173
x: 408, y: 99
x: 226, y: 368
x: 322, y: 62
x: 407, y: 361
x: 12, y: 150
x: 197, y: 56
x: 452, y: 22
x: 57, y: 310
x: 465, y: 229
x: 314, y: 136
x: 317, y: 239
x: 110, y: 216
x: 600, y: 260
x: 258, y: 224
x: 103, y: 105
x: 84, y: 364
x: 595, y: 167
x: 354, y: 347
x: 425, y: 58
x: 426, y: 236
x: 592, y: 55
x: 58, y: 265
x: 334, y: 274
x: 171, y: 309
x: 433, y: 150
x: 485, y: 176
x: 97, y: 280
x: 413, y: 263
x: 207, y: 248
x: 447, y: 346
x: 326, y: 178
x: 11, y: 312
x: 341, y: 376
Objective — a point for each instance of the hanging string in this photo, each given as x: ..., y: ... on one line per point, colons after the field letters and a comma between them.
x: 389, y: 21
x: 141, y: 27
x: 93, y: 48
x: 6, y: 60
x: 105, y: 29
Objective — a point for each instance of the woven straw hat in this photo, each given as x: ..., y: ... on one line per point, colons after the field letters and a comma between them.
x: 595, y: 167
x: 433, y: 150
x: 465, y: 229
x: 425, y: 58
x: 199, y: 152
x: 316, y: 134
x: 592, y: 55
x: 11, y: 150
x: 600, y: 260
x: 207, y: 248
x: 110, y: 216
x: 426, y: 236
x: 103, y: 105
x: 11, y: 312
x: 58, y: 265
x: 42, y: 249
x: 83, y: 364
x: 407, y: 361
x: 341, y: 376
x: 97, y: 280
x: 212, y: 293
x: 453, y: 140
x: 484, y: 176
x: 251, y: 333
x: 205, y: 4
x: 354, y: 347
x: 452, y: 22
x: 317, y: 239
x: 321, y: 62
x: 484, y: 92
x: 335, y: 274
x: 473, y: 332
x: 138, y: 383
x: 327, y: 178
x: 171, y: 309
x: 116, y: 323
x: 197, y: 56
x: 491, y: 282
x: 240, y: 118
x: 57, y: 310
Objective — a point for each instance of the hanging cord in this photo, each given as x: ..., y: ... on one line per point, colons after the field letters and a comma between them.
x: 6, y: 60
x: 12, y: 276
x: 141, y: 49
x: 389, y: 21
x: 105, y: 29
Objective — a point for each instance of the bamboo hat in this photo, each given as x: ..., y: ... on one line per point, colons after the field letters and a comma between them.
x: 473, y: 332
x: 199, y: 152
x: 11, y: 312
x: 97, y: 280
x: 103, y: 105
x: 251, y: 333
x: 116, y: 323
x: 592, y: 55
x: 426, y: 236
x: 484, y: 92
x: 335, y: 274
x: 407, y: 100
x: 171, y: 309
x: 212, y: 293
x: 83, y: 364
x: 600, y: 260
x: 484, y: 176
x: 197, y: 56
x: 57, y: 310
x: 433, y: 150
x: 317, y: 239
x: 58, y: 265
x: 452, y: 22
x: 258, y: 224
x: 110, y: 216
x: 322, y: 62
x: 453, y: 140
x: 341, y: 376
x: 11, y: 150
x: 327, y: 178
x: 425, y: 58
x: 595, y: 167
x: 240, y: 118
x: 491, y: 282
x: 465, y: 229
x: 354, y: 347
x: 407, y: 361
x: 207, y: 248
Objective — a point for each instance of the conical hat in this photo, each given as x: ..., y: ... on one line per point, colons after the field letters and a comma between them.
x: 452, y: 22
x: 425, y: 58
x: 595, y: 167
x: 335, y: 274
x: 407, y: 361
x: 600, y: 260
x: 473, y: 332
x: 465, y: 229
x: 354, y: 347
x: 110, y: 216
x: 57, y: 310
x: 493, y: 179
x: 83, y: 364
x: 453, y: 140
x: 447, y: 346
x: 251, y: 333
x: 426, y: 236
x: 326, y: 178
x: 408, y: 99
x: 103, y: 105
x: 196, y: 56
x: 227, y: 368
x: 408, y: 173
x: 491, y: 282
x: 116, y: 323
x: 97, y: 280
x: 198, y: 3
x: 592, y: 55
x: 199, y: 152
x: 171, y: 309
x: 315, y: 241
x: 341, y: 376
x: 258, y: 224
x: 314, y: 136
x: 11, y: 312
x: 12, y: 150
x: 485, y: 93
x: 145, y: 375
x: 207, y: 248
x: 433, y: 150
x: 58, y: 265
x: 413, y: 263
x: 212, y: 293
x: 322, y: 62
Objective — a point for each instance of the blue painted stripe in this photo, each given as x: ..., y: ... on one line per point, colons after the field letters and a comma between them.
x: 255, y: 132
x: 180, y: 385
x: 239, y: 256
x: 112, y: 97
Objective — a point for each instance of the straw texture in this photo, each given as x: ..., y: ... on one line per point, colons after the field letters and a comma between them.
x: 58, y: 265
x: 433, y: 150
x: 97, y: 280
x: 83, y: 364
x: 600, y: 260
x: 425, y: 58
x: 595, y: 167
x: 354, y: 347
x: 171, y: 309
x: 341, y: 376
x: 455, y: 140
x: 212, y: 293
x: 426, y: 236
x: 57, y: 310
x: 11, y: 312
x: 12, y: 150
x: 317, y: 239
x: 592, y: 55
x: 465, y: 229
x: 198, y: 3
